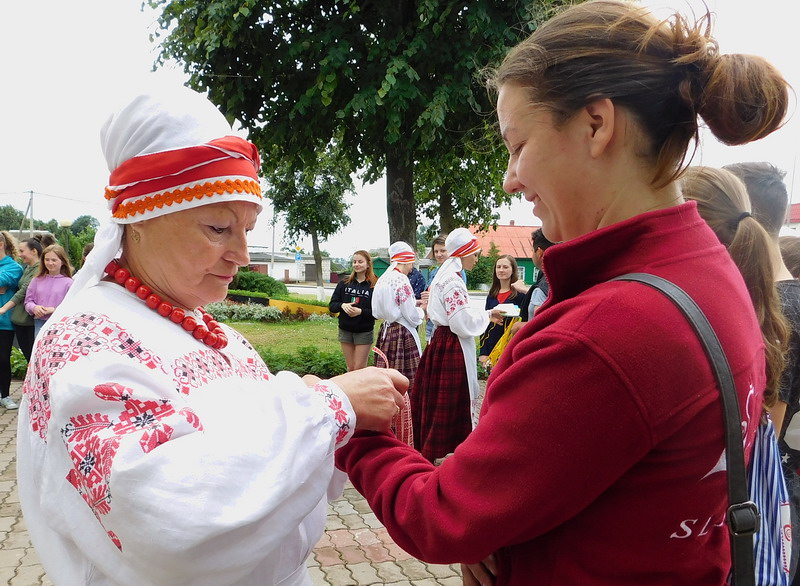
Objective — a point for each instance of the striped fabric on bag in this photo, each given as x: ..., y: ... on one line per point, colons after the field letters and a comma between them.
x: 772, y: 543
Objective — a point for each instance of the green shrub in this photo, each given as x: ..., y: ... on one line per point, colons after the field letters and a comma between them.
x: 258, y: 294
x: 226, y: 311
x: 304, y: 300
x: 19, y: 366
x: 254, y: 281
x: 484, y: 268
x: 305, y: 360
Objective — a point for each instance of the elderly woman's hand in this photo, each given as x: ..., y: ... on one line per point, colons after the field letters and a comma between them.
x: 376, y: 395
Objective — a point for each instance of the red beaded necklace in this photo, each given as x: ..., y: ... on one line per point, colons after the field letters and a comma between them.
x: 209, y: 332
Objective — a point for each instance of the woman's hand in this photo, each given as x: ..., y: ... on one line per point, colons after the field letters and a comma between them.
x: 481, y: 574
x: 349, y: 309
x: 40, y: 312
x: 376, y: 395
x: 483, y: 359
x: 496, y: 317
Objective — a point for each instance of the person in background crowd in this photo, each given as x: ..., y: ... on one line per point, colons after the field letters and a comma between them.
x: 770, y: 203
x: 593, y: 463
x: 30, y: 252
x: 536, y: 294
x: 501, y: 291
x: 398, y: 340
x: 723, y: 203
x: 154, y: 445
x: 352, y: 300
x: 439, y: 252
x: 790, y: 252
x: 443, y: 403
x: 48, y: 289
x: 10, y: 273
x: 417, y: 281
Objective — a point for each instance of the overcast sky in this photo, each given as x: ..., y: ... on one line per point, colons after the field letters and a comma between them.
x: 65, y: 65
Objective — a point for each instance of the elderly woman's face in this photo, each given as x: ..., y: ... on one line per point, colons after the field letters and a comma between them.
x: 190, y: 257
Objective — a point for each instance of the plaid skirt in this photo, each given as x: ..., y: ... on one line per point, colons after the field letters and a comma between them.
x: 400, y: 348
x: 440, y: 404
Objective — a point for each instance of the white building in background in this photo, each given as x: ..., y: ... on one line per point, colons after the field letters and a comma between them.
x: 288, y: 268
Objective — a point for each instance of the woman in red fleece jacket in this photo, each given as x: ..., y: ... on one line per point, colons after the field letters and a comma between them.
x: 598, y: 457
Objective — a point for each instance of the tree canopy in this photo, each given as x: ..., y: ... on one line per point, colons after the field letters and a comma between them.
x: 396, y: 81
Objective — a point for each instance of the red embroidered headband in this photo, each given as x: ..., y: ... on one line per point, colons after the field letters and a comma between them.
x: 467, y: 249
x: 157, y: 183
x: 404, y: 257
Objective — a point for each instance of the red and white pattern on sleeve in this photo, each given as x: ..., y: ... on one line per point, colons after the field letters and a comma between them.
x: 72, y: 338
x: 340, y: 415
x: 455, y: 299
x: 93, y: 439
x: 402, y: 294
x: 202, y: 366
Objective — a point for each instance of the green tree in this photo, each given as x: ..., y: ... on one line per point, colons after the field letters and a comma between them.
x: 481, y: 274
x: 83, y: 222
x: 10, y: 218
x: 312, y: 200
x: 396, y: 80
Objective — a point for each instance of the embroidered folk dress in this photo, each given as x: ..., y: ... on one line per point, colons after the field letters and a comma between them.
x: 148, y: 458
x: 393, y: 301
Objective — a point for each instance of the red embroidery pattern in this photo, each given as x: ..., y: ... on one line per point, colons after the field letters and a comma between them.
x: 334, y: 403
x: 67, y: 340
x: 202, y: 366
x: 92, y: 441
x: 402, y: 293
x: 455, y: 299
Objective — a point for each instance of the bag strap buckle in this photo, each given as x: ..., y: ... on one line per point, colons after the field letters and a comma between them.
x: 743, y: 518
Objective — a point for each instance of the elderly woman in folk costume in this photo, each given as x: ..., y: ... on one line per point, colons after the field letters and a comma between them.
x: 393, y: 301
x: 155, y: 446
x: 443, y: 403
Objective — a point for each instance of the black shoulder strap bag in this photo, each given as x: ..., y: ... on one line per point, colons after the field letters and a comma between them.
x: 742, y: 517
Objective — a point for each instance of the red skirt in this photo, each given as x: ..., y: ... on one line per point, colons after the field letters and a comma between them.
x: 400, y: 348
x: 440, y: 404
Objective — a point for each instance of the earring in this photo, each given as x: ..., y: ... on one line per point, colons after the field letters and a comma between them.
x: 135, y: 235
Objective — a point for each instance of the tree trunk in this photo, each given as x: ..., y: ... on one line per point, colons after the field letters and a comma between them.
x: 446, y: 222
x: 400, y: 205
x: 318, y: 264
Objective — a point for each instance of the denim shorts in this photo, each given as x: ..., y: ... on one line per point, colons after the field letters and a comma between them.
x: 357, y: 338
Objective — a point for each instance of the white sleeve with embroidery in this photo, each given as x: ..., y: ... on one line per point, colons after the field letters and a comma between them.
x: 406, y: 302
x: 200, y: 468
x: 452, y: 298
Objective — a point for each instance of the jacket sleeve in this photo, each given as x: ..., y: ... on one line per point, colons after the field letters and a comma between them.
x: 335, y: 304
x: 451, y: 513
x: 31, y: 294
x: 10, y: 274
x: 24, y: 281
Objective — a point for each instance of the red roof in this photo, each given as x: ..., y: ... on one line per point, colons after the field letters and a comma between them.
x: 794, y: 213
x: 513, y: 240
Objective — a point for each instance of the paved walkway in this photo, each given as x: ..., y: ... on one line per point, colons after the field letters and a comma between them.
x: 355, y: 549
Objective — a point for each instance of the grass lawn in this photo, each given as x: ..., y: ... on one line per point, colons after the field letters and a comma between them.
x: 287, y: 336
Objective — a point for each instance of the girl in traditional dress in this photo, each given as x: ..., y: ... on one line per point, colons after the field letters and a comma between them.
x: 446, y: 385
x: 393, y: 301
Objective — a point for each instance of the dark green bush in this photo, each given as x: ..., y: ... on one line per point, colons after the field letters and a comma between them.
x: 19, y: 366
x: 306, y: 360
x: 253, y: 281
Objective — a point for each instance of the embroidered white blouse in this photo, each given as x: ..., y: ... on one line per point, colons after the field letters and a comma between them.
x: 393, y: 301
x: 146, y: 457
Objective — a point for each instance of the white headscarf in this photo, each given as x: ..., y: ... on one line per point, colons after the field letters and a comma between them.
x: 459, y: 243
x: 400, y: 253
x: 167, y: 152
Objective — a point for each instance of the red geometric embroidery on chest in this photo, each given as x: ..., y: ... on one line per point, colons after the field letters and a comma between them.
x: 198, y: 368
x: 68, y: 340
x: 93, y: 440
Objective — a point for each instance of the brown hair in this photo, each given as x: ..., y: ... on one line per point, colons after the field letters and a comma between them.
x: 790, y: 251
x: 369, y: 275
x: 9, y: 244
x: 663, y: 73
x: 495, y: 288
x: 66, y: 266
x: 723, y: 203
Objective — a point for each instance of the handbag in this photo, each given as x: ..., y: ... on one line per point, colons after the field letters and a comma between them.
x: 494, y: 355
x: 742, y: 518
